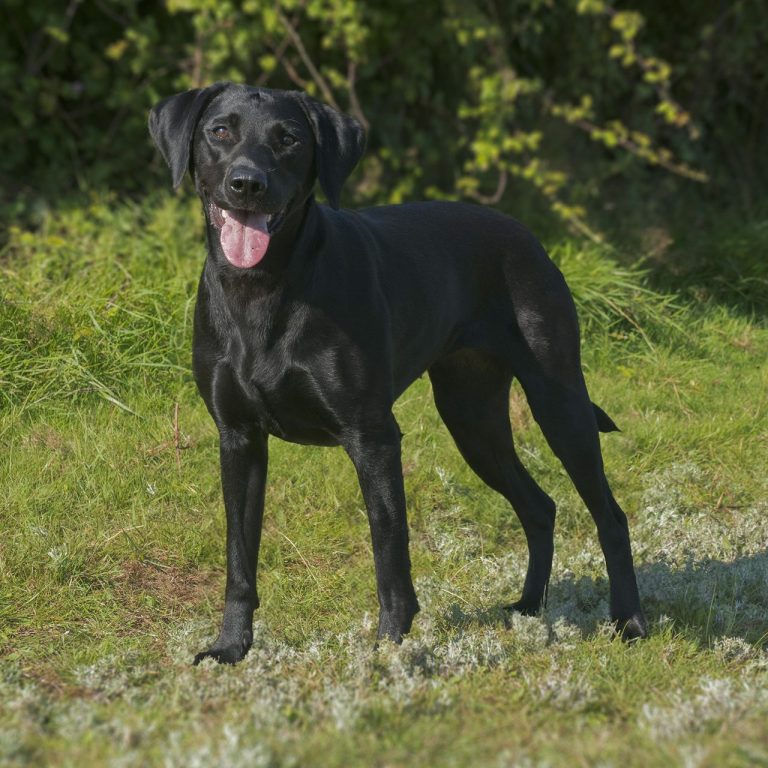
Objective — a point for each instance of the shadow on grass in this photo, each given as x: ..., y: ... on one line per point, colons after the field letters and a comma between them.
x: 723, y: 262
x: 707, y: 599
x: 714, y: 598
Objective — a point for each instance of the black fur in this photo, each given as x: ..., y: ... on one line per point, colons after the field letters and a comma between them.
x: 315, y: 342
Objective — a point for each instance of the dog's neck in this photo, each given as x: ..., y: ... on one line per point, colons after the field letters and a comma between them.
x: 253, y: 297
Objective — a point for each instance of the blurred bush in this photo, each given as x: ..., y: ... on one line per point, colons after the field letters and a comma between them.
x: 490, y: 100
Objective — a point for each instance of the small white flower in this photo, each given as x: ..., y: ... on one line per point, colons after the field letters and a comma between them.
x: 58, y: 553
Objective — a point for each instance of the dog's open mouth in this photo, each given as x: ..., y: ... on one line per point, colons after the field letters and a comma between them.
x: 244, y: 235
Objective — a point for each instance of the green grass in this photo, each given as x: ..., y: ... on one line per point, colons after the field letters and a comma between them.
x: 112, y: 542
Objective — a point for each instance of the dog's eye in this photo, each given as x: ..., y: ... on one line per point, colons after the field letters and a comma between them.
x: 288, y: 140
x: 220, y: 132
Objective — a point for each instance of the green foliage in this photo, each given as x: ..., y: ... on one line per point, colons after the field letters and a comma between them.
x: 614, y: 299
x: 726, y: 262
x: 490, y: 101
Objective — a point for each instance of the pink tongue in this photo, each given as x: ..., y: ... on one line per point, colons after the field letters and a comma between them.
x: 244, y: 237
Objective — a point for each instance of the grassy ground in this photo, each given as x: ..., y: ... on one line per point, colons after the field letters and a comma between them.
x: 111, y: 543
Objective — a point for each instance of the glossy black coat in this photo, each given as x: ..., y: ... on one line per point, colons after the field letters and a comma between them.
x: 316, y: 342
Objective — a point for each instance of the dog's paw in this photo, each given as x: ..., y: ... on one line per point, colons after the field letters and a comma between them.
x: 230, y: 653
x: 525, y: 607
x: 395, y: 624
x: 633, y: 628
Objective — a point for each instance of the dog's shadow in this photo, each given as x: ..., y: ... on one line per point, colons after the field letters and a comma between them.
x: 704, y: 599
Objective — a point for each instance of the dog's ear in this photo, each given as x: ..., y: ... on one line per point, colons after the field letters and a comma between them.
x: 172, y: 124
x: 339, y: 145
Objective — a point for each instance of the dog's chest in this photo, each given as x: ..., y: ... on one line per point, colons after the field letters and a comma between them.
x: 290, y: 397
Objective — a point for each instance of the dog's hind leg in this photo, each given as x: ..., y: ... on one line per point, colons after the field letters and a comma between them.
x: 544, y: 356
x: 570, y: 424
x: 472, y: 396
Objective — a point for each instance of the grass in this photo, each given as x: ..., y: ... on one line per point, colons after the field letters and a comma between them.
x: 111, y: 542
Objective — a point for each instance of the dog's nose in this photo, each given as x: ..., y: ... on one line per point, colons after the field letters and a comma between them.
x: 244, y: 182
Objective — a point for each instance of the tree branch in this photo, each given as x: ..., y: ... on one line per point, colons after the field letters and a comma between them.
x: 34, y: 67
x: 497, y: 195
x: 318, y: 79
x: 293, y: 73
x: 635, y: 149
x: 354, y: 102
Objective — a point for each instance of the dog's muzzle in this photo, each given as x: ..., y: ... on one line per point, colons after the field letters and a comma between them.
x: 244, y: 235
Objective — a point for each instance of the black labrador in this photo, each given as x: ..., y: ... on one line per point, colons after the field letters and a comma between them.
x: 311, y: 321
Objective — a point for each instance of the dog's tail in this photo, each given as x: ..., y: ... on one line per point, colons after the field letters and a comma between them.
x: 604, y: 422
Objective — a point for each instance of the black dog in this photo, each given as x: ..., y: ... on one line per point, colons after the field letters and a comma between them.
x: 311, y: 322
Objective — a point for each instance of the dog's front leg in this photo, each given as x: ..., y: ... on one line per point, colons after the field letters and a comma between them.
x: 243, y: 478
x: 376, y: 456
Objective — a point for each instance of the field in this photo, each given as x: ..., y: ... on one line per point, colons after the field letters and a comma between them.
x: 112, y: 537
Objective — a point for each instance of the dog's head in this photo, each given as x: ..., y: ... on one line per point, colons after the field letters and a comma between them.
x: 254, y: 154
